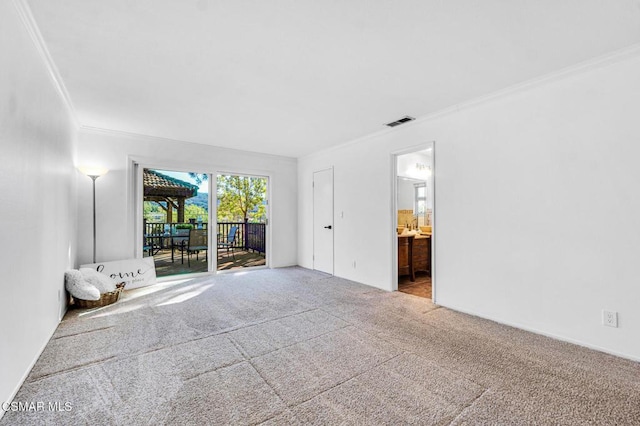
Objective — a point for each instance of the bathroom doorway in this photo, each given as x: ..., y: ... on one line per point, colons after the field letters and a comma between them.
x: 414, y: 219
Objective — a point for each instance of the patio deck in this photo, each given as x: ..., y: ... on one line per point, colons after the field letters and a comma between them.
x: 243, y: 259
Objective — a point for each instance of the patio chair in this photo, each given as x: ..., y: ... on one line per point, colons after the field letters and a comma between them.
x: 230, y: 243
x: 149, y: 245
x: 197, y: 243
x: 179, y: 241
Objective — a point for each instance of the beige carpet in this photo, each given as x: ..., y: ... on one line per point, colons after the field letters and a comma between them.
x: 292, y: 346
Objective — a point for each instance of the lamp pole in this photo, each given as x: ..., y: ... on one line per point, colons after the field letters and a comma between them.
x: 93, y: 178
x: 94, y: 173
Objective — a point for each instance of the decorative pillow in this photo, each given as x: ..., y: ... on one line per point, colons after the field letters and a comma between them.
x: 79, y: 287
x: 102, y: 282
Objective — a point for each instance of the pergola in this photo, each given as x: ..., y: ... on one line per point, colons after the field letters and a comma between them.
x: 170, y: 191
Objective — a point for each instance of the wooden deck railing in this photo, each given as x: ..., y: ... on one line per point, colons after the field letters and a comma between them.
x: 250, y: 236
x: 256, y: 237
x: 167, y: 228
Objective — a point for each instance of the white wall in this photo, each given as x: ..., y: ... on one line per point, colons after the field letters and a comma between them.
x: 114, y: 200
x: 537, y: 206
x: 37, y: 183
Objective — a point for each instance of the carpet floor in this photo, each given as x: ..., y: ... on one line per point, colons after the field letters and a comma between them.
x: 293, y: 346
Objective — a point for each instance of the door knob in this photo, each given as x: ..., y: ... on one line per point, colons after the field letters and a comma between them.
x: 327, y: 227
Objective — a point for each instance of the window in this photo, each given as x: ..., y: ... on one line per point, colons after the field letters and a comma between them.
x: 420, y: 202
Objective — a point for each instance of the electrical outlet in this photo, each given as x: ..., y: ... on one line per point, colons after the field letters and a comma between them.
x: 354, y: 264
x: 609, y: 318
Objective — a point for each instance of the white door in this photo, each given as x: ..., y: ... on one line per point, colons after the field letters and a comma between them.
x: 323, y: 221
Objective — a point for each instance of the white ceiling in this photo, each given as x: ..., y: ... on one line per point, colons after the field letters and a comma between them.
x: 291, y: 77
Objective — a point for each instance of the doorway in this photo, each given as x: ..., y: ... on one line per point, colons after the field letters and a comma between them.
x: 175, y: 222
x: 414, y: 201
x: 323, y: 221
x: 188, y: 231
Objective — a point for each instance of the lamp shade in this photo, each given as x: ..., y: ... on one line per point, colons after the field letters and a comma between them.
x: 93, y: 170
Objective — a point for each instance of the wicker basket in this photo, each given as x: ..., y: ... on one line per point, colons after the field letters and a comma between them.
x: 105, y: 299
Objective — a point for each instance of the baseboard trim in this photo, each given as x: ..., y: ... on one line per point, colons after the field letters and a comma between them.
x: 26, y: 373
x: 543, y: 333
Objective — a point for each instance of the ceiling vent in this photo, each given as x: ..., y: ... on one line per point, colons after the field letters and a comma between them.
x: 403, y: 120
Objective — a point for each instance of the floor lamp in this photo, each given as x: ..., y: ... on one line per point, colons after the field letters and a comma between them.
x: 94, y: 173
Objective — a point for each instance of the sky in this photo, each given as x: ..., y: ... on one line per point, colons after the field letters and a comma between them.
x: 202, y: 189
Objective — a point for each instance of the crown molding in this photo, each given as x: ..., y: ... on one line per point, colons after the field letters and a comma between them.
x: 24, y: 12
x: 598, y: 62
x: 139, y: 136
x: 603, y: 61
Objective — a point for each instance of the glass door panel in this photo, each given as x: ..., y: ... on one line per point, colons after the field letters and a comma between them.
x: 242, y: 208
x: 175, y: 221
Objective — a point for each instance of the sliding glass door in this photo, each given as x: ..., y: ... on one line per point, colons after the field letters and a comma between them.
x: 185, y: 233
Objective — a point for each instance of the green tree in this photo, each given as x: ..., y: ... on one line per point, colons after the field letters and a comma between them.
x: 153, y: 212
x: 198, y: 177
x: 241, y: 197
x: 192, y: 211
